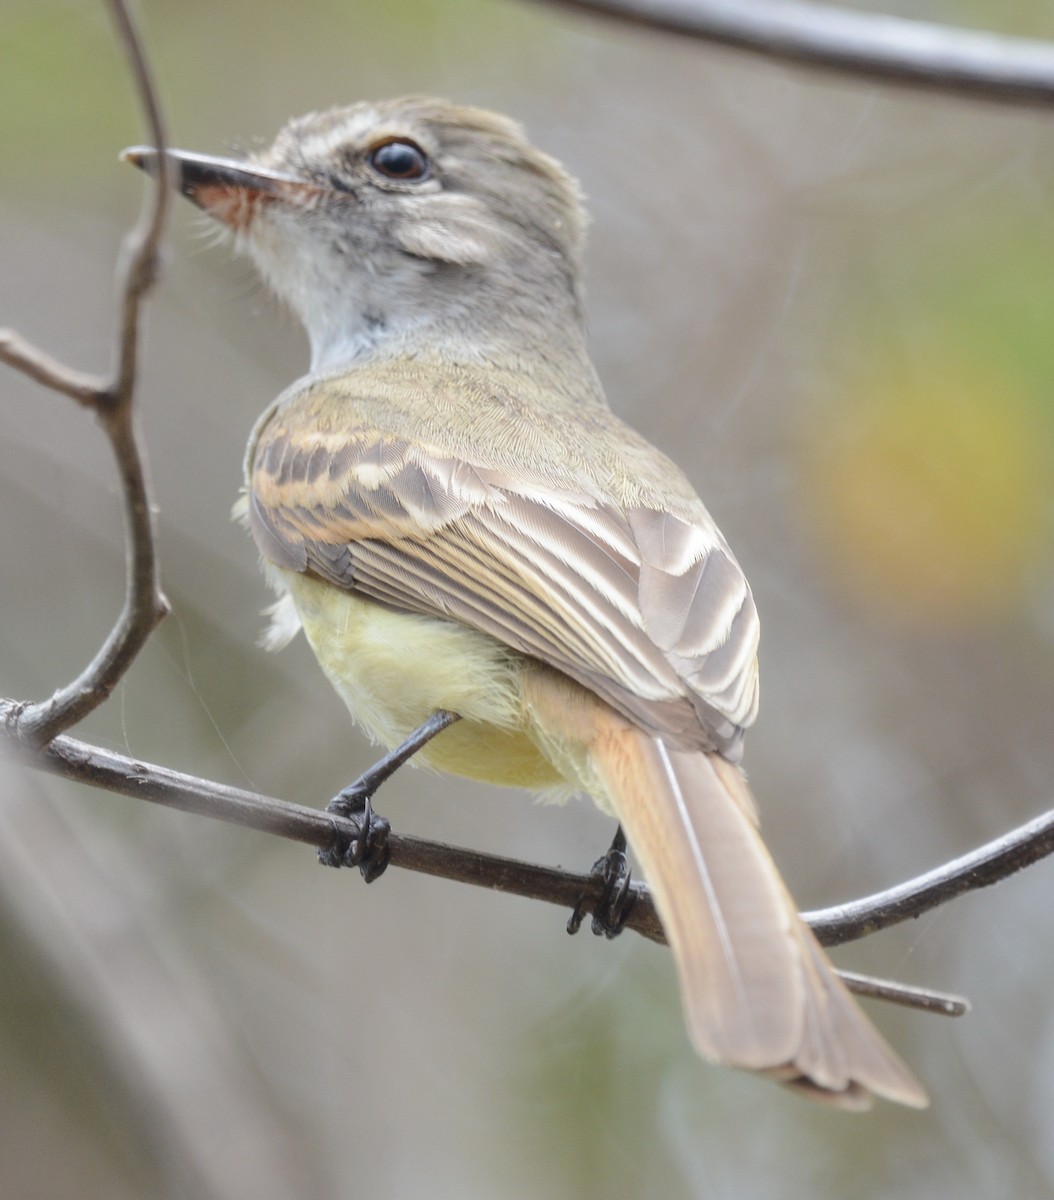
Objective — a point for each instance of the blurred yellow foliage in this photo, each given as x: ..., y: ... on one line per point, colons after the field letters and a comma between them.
x: 928, y: 493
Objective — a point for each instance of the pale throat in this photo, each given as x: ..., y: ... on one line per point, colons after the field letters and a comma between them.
x: 355, y: 323
x: 354, y: 312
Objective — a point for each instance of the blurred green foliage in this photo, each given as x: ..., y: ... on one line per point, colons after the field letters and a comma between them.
x: 64, y: 87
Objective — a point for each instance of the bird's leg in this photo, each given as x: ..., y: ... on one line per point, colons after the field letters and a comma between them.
x: 368, y: 848
x: 618, y: 897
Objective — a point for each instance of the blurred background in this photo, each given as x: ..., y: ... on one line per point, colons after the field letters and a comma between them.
x: 831, y: 303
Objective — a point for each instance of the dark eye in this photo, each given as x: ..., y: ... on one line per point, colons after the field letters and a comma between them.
x: 399, y: 160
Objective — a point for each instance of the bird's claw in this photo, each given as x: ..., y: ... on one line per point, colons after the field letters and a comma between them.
x: 367, y: 848
x: 617, y: 898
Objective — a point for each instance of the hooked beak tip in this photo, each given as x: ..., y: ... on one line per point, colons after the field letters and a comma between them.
x: 139, y: 156
x: 227, y: 189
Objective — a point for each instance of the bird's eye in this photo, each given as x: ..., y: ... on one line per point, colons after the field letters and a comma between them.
x: 399, y: 159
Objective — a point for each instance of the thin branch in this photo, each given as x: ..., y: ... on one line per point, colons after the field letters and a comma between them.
x: 923, y: 999
x: 76, y: 760
x: 112, y: 401
x: 16, y: 352
x: 980, y: 868
x: 864, y: 46
x: 142, y: 246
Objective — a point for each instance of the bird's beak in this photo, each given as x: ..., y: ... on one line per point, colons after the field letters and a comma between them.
x: 225, y: 188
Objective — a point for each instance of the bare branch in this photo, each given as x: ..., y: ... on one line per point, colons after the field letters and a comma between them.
x: 43, y: 369
x: 905, y: 995
x: 864, y: 46
x: 113, y: 772
x: 980, y: 868
x: 112, y: 402
x: 142, y: 245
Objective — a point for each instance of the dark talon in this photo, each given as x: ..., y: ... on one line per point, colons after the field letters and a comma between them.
x: 368, y: 848
x: 617, y: 898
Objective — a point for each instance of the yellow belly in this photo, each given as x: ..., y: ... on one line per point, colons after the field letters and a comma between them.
x: 393, y: 670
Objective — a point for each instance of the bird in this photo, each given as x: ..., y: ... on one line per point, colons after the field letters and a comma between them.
x: 468, y: 535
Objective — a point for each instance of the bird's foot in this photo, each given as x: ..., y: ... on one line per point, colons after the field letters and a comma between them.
x: 618, y: 897
x: 367, y: 848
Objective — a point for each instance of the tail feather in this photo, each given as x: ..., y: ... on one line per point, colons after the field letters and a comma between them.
x: 758, y: 990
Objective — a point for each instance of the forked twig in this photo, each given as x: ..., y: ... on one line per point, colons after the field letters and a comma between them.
x: 112, y: 402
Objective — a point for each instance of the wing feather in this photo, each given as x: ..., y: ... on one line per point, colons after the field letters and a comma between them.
x: 648, y: 609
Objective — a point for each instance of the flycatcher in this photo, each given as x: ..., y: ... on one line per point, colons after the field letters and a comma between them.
x: 459, y: 523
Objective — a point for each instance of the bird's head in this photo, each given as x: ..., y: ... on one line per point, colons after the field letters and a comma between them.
x: 375, y: 219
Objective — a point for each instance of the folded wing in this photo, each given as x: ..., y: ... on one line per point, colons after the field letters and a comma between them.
x: 650, y: 611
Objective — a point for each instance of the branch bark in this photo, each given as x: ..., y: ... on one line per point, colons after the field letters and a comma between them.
x: 988, y: 864
x: 112, y: 402
x: 864, y: 46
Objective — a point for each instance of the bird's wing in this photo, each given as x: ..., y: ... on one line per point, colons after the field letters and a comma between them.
x: 650, y: 611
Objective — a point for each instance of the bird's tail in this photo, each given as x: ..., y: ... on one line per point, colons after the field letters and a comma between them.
x: 758, y: 990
